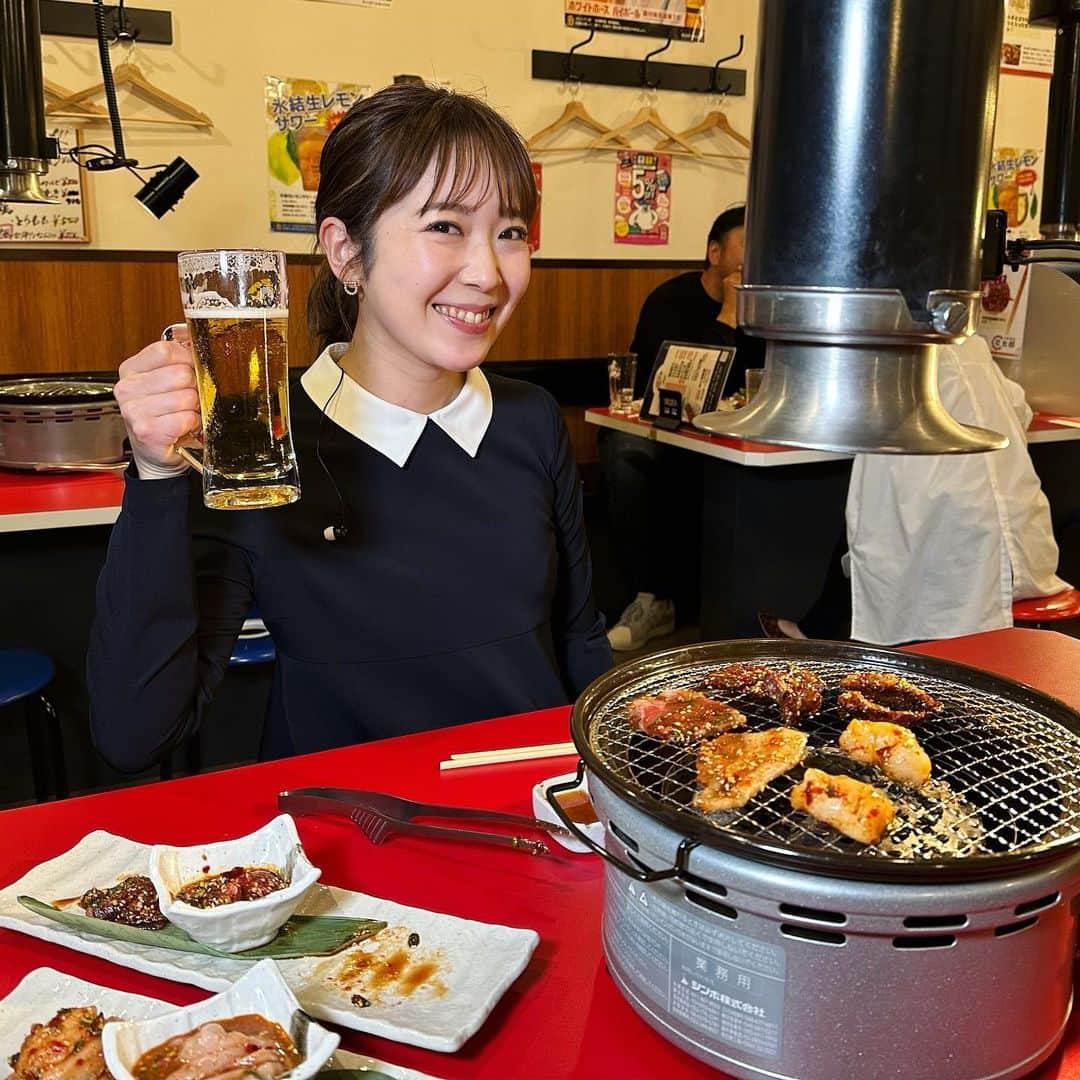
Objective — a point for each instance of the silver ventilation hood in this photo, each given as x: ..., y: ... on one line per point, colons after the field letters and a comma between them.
x: 25, y: 151
x: 867, y: 194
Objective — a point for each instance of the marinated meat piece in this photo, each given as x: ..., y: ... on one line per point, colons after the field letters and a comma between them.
x: 132, y: 901
x: 247, y: 1047
x: 881, y: 695
x: 682, y: 717
x: 796, y: 690
x: 68, y: 1047
x: 734, y: 768
x: 856, y: 809
x: 892, y: 748
x: 740, y: 679
x: 239, y: 883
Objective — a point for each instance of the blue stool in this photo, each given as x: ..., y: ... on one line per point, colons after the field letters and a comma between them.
x: 24, y: 674
x: 253, y: 646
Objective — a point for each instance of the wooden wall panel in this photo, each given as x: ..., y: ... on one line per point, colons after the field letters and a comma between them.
x: 68, y: 315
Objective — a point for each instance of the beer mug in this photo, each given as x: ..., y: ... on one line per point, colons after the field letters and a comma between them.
x: 237, y: 308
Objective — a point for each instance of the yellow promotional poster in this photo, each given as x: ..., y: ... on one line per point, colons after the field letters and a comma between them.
x: 300, y: 114
x: 681, y: 20
x: 1016, y: 188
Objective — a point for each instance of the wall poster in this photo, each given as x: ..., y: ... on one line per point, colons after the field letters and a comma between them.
x: 300, y: 114
x: 534, y: 225
x: 682, y: 20
x: 65, y: 222
x: 1016, y: 188
x: 642, y: 197
x: 1025, y: 49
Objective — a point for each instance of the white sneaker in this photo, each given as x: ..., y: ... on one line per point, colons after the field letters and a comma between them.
x: 645, y: 619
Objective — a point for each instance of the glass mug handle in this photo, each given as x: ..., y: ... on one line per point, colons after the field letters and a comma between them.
x: 183, y: 451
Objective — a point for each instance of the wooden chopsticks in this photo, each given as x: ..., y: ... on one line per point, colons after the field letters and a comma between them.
x: 513, y: 753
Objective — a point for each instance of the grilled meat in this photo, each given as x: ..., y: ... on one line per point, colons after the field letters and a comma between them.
x: 881, y: 695
x: 132, y: 901
x: 856, y: 809
x: 682, y: 717
x: 796, y: 690
x: 239, y: 883
x: 734, y: 768
x: 68, y: 1047
x: 892, y: 748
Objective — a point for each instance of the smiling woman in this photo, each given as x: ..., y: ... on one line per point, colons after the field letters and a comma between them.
x: 459, y: 584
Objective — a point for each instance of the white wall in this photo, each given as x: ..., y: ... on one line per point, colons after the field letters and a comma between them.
x: 223, y: 48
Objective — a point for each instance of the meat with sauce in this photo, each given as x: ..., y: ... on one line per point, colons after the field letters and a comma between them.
x: 683, y: 717
x: 132, y: 901
x: 68, y: 1047
x: 892, y: 748
x: 797, y: 691
x: 884, y: 696
x: 734, y: 768
x: 239, y: 883
x: 237, y: 1048
x: 848, y: 805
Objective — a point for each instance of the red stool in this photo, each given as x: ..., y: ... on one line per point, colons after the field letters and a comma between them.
x: 1042, y: 610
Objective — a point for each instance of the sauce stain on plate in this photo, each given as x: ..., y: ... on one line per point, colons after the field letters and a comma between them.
x: 386, y: 969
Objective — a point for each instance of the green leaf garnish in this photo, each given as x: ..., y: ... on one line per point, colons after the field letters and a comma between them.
x: 302, y: 935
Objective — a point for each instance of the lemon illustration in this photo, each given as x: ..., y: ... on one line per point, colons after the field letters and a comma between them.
x: 281, y: 157
x: 621, y: 228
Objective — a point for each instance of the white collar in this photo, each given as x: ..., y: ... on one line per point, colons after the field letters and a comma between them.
x: 392, y: 430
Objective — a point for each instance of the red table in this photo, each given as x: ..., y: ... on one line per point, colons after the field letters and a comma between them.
x: 563, y: 1017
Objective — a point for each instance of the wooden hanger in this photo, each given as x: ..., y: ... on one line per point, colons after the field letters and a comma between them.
x: 646, y: 117
x: 574, y: 112
x: 83, y: 112
x: 129, y: 75
x: 714, y: 121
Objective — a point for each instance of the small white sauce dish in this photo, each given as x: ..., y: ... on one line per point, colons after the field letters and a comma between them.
x: 244, y: 924
x: 542, y: 809
x: 261, y: 990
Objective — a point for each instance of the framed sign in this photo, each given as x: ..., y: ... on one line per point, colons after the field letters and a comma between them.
x: 696, y: 373
x: 61, y: 222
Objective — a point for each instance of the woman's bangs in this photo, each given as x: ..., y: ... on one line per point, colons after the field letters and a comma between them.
x: 466, y: 167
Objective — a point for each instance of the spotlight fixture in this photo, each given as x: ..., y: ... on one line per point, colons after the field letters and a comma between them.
x: 166, y: 188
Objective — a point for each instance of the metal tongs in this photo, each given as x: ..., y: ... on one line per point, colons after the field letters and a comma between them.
x: 379, y: 816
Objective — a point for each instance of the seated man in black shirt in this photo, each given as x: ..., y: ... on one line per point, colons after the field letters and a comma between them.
x: 657, y: 537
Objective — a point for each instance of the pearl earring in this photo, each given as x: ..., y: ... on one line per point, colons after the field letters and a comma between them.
x: 351, y: 288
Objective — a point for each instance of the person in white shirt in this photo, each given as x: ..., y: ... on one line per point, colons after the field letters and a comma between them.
x: 941, y: 545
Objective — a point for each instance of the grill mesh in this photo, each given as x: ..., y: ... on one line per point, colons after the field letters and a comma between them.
x: 1005, y: 780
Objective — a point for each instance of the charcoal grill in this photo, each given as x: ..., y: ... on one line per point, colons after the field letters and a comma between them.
x: 58, y: 423
x: 766, y: 944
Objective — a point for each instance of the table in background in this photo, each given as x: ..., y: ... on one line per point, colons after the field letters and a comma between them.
x: 563, y: 1018
x: 773, y: 516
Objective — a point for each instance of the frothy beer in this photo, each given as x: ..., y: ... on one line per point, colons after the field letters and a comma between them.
x: 242, y: 366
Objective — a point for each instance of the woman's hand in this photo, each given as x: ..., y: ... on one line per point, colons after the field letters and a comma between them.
x: 158, y: 399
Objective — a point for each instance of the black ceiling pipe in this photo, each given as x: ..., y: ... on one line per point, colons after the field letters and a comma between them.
x: 1061, y: 183
x: 25, y: 151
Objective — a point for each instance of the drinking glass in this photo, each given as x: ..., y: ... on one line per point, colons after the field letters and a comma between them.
x: 237, y: 308
x: 622, y: 368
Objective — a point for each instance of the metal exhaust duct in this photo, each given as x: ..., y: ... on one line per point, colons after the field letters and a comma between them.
x: 25, y: 151
x: 867, y: 195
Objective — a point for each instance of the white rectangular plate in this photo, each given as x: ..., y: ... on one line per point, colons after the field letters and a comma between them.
x: 471, y: 963
x: 45, y: 989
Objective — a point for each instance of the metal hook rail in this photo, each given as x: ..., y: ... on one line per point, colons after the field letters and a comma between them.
x: 648, y: 73
x: 570, y: 76
x: 645, y: 66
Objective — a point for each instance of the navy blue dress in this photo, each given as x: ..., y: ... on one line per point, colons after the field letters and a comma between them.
x: 462, y: 591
